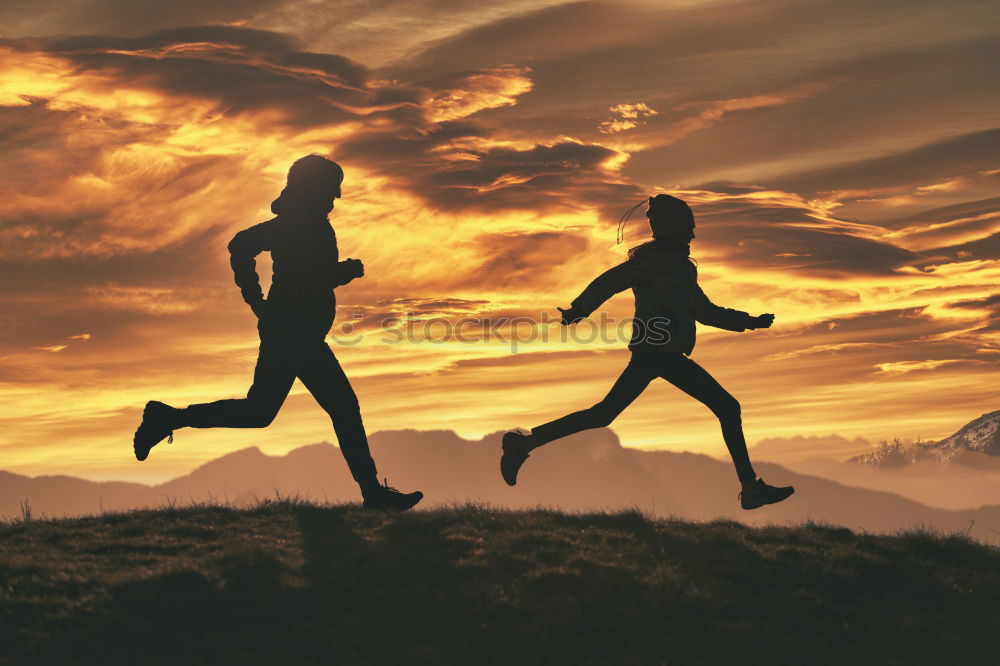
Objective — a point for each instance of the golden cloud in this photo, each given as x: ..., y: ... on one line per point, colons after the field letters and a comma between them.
x: 132, y: 161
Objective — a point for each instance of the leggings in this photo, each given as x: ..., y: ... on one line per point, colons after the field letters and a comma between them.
x: 680, y: 371
x: 282, y: 358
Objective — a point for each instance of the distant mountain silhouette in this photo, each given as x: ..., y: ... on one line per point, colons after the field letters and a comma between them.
x: 976, y: 444
x: 801, y: 448
x: 589, y: 470
x: 68, y: 496
x: 954, y: 473
x: 979, y: 436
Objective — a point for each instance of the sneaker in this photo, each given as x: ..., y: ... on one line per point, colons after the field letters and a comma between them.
x: 155, y: 427
x: 515, y: 452
x: 758, y: 493
x: 386, y: 498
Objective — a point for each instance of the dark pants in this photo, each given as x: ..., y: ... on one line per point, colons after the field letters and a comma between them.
x: 285, y: 355
x: 680, y: 371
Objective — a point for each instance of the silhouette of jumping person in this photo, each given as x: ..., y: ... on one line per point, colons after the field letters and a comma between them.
x: 668, y: 302
x: 293, y: 322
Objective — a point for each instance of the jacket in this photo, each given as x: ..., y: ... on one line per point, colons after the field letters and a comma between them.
x: 306, y: 269
x: 668, y: 300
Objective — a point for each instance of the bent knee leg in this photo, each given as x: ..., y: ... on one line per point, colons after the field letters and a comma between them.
x: 263, y: 402
x: 341, y: 407
x: 727, y: 409
x: 261, y: 412
x: 262, y: 418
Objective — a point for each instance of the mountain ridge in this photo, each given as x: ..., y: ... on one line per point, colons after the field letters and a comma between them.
x: 976, y: 444
x: 981, y: 435
x: 584, y: 472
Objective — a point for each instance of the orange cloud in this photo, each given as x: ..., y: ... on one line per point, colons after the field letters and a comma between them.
x: 477, y: 91
x: 626, y: 117
x: 132, y: 161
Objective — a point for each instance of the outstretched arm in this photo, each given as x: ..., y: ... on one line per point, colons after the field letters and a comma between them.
x: 604, y: 286
x: 243, y: 250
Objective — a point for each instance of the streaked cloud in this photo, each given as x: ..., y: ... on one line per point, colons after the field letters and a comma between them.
x: 840, y: 160
x: 468, y: 93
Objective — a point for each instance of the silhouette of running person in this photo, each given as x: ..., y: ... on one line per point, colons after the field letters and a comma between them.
x: 293, y: 322
x: 668, y: 301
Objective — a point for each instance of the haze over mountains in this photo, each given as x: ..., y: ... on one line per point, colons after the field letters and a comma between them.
x: 957, y: 472
x: 590, y: 470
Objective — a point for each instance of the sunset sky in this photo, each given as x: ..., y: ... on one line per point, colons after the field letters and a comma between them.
x: 841, y: 158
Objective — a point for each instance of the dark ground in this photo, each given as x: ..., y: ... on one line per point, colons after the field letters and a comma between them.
x: 294, y: 583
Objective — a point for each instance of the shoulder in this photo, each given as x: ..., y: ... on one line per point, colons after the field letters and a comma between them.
x: 255, y: 235
x: 642, y: 254
x: 653, y: 256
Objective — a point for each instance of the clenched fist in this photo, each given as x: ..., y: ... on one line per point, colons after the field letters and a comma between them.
x: 763, y: 321
x: 353, y: 268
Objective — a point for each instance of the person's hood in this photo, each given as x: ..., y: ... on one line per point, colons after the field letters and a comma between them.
x: 297, y: 203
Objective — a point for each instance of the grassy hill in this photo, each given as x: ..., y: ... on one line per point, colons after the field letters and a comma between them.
x: 296, y: 583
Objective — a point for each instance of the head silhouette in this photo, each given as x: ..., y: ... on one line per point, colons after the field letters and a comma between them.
x: 670, y: 219
x: 313, y: 183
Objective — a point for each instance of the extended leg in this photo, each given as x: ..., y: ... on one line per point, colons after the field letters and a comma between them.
x: 633, y: 380
x: 516, y: 447
x: 272, y: 380
x: 321, y: 373
x: 694, y: 380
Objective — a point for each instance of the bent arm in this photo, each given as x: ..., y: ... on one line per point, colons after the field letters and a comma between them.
x: 345, y: 271
x: 710, y: 314
x: 243, y: 250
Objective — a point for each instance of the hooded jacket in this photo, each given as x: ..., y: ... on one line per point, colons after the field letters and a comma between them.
x: 668, y: 300
x: 305, y: 265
